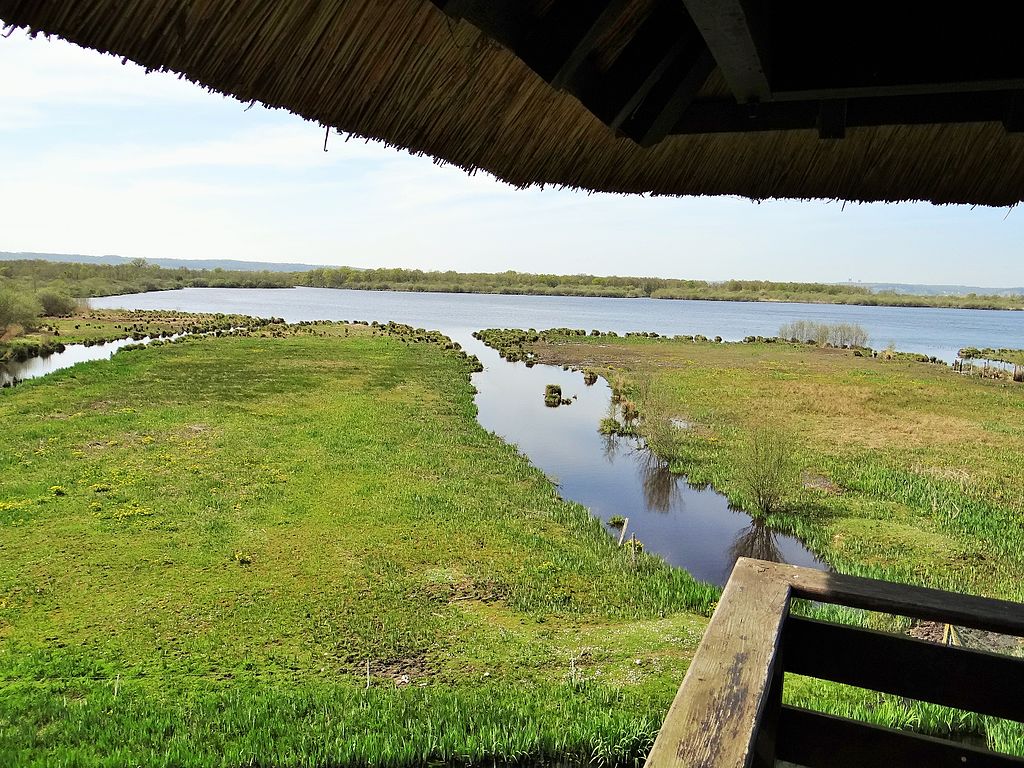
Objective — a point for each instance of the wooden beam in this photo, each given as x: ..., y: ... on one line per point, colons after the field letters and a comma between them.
x: 506, y: 21
x: 816, y: 740
x: 654, y: 119
x: 987, y: 683
x: 897, y: 89
x: 733, y: 31
x: 832, y: 119
x: 613, y: 96
x: 900, y: 599
x: 1013, y: 121
x: 608, y: 13
x: 727, y: 117
x: 716, y: 715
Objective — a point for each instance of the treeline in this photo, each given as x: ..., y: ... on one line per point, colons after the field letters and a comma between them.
x: 29, y: 276
x: 563, y: 285
x: 482, y: 282
x: 84, y: 280
x: 635, y: 287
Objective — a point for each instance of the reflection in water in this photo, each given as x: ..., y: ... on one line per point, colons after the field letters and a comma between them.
x: 661, y: 488
x: 757, y: 541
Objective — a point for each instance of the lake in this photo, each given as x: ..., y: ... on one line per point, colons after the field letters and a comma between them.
x: 938, y: 332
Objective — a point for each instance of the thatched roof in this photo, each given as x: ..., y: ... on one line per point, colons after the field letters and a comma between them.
x: 673, y: 97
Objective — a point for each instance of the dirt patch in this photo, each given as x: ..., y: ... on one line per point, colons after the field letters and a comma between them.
x: 401, y: 672
x: 975, y: 639
x: 462, y: 591
x: 814, y: 482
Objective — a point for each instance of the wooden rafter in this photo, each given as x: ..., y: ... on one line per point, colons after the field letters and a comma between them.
x: 734, y: 33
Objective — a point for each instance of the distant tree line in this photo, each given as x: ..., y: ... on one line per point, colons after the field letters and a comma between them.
x: 635, y: 287
x: 34, y: 287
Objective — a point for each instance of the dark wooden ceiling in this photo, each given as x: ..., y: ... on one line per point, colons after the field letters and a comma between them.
x: 644, y: 67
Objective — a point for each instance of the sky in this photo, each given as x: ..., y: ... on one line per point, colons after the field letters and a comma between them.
x: 97, y: 157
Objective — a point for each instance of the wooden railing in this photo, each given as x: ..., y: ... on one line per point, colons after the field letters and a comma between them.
x: 729, y: 713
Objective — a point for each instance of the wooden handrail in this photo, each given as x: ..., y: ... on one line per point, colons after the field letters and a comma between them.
x: 728, y: 711
x: 714, y: 718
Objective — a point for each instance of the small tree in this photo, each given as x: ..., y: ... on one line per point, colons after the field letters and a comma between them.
x: 17, y: 309
x: 766, y: 471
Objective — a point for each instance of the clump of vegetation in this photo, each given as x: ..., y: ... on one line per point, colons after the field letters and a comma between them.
x: 552, y: 395
x: 843, y: 335
x: 616, y: 521
x: 589, y: 377
x: 56, y: 303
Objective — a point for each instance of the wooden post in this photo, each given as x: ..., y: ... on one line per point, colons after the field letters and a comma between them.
x: 622, y: 533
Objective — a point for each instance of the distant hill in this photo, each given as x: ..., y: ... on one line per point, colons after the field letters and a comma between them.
x: 230, y: 264
x: 938, y: 290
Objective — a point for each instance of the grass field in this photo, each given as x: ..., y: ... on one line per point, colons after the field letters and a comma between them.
x: 299, y: 548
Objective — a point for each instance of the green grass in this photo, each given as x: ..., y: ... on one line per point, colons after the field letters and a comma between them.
x: 203, y: 545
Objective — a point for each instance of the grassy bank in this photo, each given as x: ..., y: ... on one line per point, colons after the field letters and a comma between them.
x: 98, y: 326
x: 298, y: 547
x: 902, y: 470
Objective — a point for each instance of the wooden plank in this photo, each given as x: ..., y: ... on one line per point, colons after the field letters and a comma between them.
x: 900, y: 599
x: 715, y: 717
x: 817, y: 740
x: 732, y: 30
x: 987, y: 683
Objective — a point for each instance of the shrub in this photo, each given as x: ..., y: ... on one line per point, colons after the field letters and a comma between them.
x: 56, y: 304
x: 766, y: 471
x: 17, y: 309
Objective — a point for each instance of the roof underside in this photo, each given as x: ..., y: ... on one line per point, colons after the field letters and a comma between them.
x: 871, y: 101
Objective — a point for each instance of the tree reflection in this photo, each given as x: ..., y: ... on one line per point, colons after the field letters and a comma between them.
x: 610, y: 447
x: 660, y: 486
x: 756, y: 541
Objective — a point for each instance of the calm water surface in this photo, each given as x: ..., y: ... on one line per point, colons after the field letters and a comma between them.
x: 689, y: 527
x: 939, y: 332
